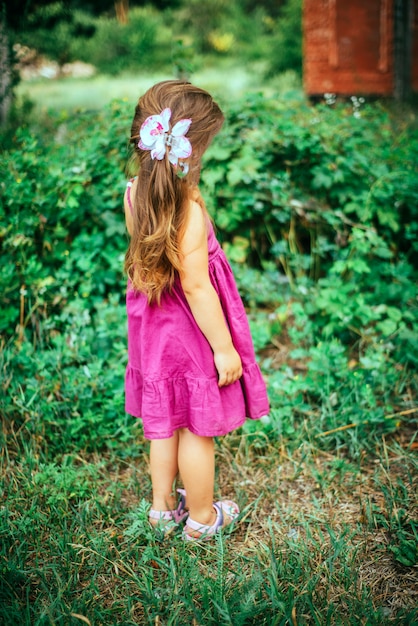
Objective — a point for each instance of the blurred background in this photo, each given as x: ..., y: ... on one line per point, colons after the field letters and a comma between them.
x: 73, y: 53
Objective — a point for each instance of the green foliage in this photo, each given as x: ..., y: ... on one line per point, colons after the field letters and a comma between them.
x: 301, y: 177
x: 53, y: 29
x: 48, y: 206
x: 265, y: 33
x: 332, y: 306
x: 143, y: 42
x: 330, y: 393
x: 309, y: 195
x: 285, y: 52
x: 67, y: 35
x: 298, y: 186
x: 257, y: 32
x: 296, y: 192
x: 205, y: 21
x: 62, y: 315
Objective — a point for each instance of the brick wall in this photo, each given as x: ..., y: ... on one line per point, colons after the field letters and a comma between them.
x: 349, y: 47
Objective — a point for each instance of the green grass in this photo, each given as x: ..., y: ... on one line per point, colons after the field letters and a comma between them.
x: 226, y: 81
x: 313, y: 545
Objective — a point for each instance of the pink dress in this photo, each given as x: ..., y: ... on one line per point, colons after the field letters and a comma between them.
x: 171, y: 380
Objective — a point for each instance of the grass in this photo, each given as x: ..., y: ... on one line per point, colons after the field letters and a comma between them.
x: 314, y: 544
x: 225, y: 81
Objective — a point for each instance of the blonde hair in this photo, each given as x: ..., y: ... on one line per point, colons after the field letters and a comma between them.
x: 161, y: 202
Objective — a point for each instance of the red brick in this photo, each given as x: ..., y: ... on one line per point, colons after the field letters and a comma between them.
x: 348, y: 56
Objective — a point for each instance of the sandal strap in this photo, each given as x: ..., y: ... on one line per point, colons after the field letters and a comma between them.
x: 161, y: 515
x: 176, y: 515
x: 205, y: 529
x: 229, y: 507
x: 180, y: 513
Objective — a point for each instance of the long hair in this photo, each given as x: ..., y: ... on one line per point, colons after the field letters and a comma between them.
x: 160, y: 206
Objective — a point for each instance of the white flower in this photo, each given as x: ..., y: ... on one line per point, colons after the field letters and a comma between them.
x: 155, y: 135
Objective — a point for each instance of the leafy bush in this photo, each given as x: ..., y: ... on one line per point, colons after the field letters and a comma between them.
x: 317, y: 191
x: 208, y: 23
x: 309, y: 195
x: 306, y: 195
x: 55, y: 197
x: 65, y: 35
x: 261, y: 33
x: 63, y: 244
x: 53, y: 29
x: 144, y: 42
x: 286, y: 44
x: 296, y: 174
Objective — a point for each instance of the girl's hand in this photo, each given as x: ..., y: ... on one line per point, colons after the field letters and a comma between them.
x: 228, y: 365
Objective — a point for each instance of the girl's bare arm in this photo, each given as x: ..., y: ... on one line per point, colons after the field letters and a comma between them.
x: 203, y: 299
x: 128, y: 210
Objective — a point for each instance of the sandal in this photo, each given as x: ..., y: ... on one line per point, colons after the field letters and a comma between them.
x: 168, y: 520
x: 228, y: 507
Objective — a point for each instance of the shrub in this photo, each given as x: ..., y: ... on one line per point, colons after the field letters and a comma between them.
x: 143, y: 43
x: 63, y: 248
x: 52, y: 30
x: 306, y: 194
x: 58, y: 196
x: 294, y: 180
x: 294, y: 191
x: 285, y: 52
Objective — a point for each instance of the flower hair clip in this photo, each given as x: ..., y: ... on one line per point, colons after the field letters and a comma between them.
x: 155, y: 135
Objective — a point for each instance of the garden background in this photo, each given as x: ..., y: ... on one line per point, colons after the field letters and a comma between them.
x: 316, y: 207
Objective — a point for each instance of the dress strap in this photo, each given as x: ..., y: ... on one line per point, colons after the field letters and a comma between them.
x: 128, y: 193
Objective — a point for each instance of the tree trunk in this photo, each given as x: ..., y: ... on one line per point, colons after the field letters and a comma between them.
x: 5, y: 74
x: 122, y: 10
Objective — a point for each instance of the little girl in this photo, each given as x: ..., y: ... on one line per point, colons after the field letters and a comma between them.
x: 191, y: 374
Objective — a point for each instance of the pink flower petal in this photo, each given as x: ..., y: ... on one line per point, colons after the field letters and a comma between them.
x: 151, y: 129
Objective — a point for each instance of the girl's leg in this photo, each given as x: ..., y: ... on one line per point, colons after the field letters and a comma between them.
x: 164, y: 469
x: 196, y: 459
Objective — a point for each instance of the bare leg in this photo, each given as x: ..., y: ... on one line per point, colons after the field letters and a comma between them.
x: 196, y: 458
x: 164, y: 469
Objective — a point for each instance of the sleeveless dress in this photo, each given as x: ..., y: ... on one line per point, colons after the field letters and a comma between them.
x: 171, y: 381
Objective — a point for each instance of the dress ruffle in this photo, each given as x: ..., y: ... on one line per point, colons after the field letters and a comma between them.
x: 198, y: 404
